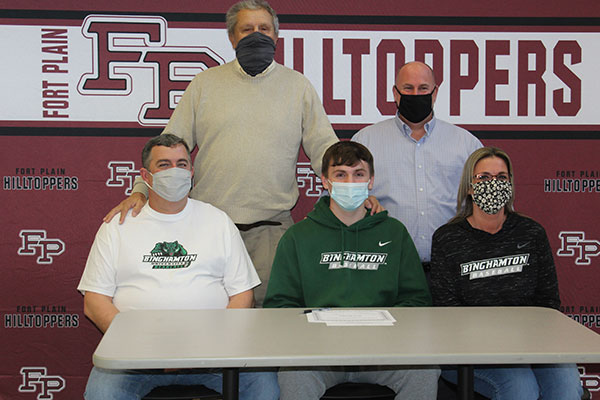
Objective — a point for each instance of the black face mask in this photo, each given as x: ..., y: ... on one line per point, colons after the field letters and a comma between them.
x: 255, y: 53
x: 415, y: 107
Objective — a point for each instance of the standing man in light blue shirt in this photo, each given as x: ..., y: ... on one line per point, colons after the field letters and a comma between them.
x: 418, y: 158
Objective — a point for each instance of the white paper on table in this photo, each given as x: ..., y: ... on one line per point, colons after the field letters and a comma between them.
x: 352, y: 317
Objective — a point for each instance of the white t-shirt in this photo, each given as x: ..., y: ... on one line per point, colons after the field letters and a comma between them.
x: 190, y: 260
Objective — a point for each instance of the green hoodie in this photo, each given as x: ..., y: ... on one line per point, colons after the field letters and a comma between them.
x: 321, y: 262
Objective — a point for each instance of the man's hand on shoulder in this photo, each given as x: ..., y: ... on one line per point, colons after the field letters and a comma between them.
x: 135, y: 201
x: 373, y: 204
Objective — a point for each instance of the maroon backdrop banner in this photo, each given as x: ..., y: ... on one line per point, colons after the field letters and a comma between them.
x: 84, y: 88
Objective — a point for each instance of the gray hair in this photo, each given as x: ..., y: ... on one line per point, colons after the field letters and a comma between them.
x: 167, y: 140
x: 231, y: 17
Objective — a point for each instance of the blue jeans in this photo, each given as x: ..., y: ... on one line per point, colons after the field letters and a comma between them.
x: 106, y: 384
x: 525, y: 382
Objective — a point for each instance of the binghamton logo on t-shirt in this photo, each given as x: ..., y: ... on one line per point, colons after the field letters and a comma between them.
x: 169, y: 255
x: 494, y: 266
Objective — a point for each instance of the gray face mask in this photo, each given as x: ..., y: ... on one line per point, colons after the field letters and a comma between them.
x: 171, y: 184
x: 255, y: 53
x: 490, y: 196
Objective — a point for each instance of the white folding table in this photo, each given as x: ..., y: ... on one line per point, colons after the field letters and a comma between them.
x: 241, y: 338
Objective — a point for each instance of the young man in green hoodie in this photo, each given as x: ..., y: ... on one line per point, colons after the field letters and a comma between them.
x: 341, y: 256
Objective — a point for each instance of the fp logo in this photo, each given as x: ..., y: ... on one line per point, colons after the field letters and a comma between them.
x: 122, y: 173
x: 34, y: 242
x: 589, y: 381
x: 308, y: 180
x: 574, y: 244
x: 35, y: 379
x: 123, y: 44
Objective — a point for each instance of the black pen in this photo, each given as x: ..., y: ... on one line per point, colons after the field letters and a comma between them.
x: 316, y: 309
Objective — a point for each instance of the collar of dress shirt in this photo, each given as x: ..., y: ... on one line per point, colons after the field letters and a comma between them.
x: 407, y: 131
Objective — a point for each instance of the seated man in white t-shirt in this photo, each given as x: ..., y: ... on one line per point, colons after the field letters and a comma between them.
x: 179, y: 253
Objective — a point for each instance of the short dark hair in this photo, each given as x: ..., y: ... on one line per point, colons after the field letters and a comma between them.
x: 167, y: 140
x: 346, y: 153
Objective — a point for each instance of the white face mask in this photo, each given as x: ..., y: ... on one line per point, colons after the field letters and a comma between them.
x: 171, y: 184
x: 349, y: 195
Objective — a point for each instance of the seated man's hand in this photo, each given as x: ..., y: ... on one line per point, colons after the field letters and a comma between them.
x: 135, y: 201
x: 372, y: 203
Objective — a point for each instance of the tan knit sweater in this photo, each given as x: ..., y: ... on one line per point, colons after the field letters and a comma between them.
x: 249, y: 131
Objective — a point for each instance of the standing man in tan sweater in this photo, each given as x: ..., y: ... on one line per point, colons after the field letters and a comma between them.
x: 248, y: 119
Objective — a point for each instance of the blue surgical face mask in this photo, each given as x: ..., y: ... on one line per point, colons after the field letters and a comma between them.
x: 349, y: 195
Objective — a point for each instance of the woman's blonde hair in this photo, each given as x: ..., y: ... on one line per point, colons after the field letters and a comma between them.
x: 464, y: 201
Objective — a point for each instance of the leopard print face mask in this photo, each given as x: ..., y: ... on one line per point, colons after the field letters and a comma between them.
x: 490, y: 196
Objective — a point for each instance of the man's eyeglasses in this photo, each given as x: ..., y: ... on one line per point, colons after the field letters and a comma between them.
x: 487, y: 177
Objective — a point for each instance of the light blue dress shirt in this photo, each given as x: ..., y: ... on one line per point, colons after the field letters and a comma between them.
x: 417, y: 181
